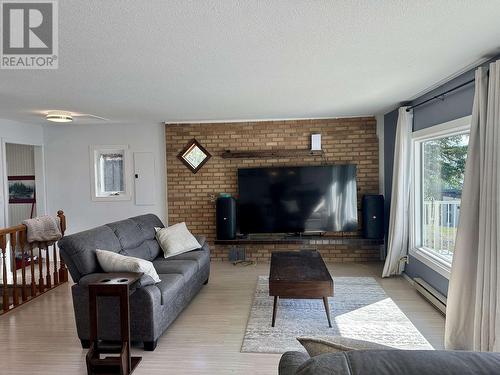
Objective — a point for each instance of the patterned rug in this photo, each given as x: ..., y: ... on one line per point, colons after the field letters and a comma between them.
x: 360, y: 309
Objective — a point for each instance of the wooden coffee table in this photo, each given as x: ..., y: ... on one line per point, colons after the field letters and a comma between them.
x: 299, y: 274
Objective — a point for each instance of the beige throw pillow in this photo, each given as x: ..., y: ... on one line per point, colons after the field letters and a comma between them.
x: 113, y: 262
x: 333, y: 344
x: 176, y: 239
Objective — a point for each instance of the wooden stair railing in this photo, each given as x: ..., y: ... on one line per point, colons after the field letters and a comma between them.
x: 13, y: 241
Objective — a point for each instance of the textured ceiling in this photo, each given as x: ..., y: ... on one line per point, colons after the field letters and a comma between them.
x: 152, y: 61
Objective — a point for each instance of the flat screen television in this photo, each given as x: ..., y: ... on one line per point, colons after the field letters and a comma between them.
x: 297, y: 199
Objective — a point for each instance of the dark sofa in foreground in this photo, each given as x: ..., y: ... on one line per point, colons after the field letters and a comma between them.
x: 153, y: 306
x: 391, y: 362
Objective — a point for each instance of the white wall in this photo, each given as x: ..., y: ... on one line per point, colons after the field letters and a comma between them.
x: 14, y: 132
x: 68, y: 171
x: 18, y: 132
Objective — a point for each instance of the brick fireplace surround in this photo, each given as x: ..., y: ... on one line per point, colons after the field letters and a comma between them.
x: 190, y: 196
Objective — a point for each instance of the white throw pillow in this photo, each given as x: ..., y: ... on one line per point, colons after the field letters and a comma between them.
x: 113, y: 262
x: 176, y: 239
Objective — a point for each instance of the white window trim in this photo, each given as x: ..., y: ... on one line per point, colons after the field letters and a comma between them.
x: 421, y: 253
x: 127, y: 173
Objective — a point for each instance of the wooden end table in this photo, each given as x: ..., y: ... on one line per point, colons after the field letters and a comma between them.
x: 115, y: 284
x: 302, y: 275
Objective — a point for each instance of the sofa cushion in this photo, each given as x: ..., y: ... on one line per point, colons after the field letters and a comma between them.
x: 429, y: 362
x: 128, y: 233
x: 392, y: 362
x: 131, y: 239
x: 327, y: 364
x: 170, y: 286
x: 143, y: 251
x: 147, y: 224
x: 187, y: 268
x: 202, y: 257
x: 137, y: 236
x: 154, y: 248
x: 290, y: 362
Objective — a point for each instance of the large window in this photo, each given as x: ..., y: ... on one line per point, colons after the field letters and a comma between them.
x: 439, y: 154
x: 110, y: 165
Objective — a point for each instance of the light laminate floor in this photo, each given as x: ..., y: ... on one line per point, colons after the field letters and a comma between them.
x: 40, y: 337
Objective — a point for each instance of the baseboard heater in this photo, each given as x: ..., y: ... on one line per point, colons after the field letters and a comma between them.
x: 431, y: 294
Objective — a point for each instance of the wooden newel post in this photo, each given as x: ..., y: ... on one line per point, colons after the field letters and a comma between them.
x: 5, y: 290
x: 62, y: 218
x: 63, y: 271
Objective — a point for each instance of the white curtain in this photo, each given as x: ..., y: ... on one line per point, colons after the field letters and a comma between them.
x: 399, y: 221
x: 473, y: 308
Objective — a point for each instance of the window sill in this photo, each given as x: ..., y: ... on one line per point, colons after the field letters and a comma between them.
x: 111, y: 198
x: 432, y: 261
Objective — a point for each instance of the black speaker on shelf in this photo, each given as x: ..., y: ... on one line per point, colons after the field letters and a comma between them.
x: 373, y: 216
x: 226, y: 218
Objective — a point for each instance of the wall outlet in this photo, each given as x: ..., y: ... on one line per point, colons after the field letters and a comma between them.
x: 315, y: 142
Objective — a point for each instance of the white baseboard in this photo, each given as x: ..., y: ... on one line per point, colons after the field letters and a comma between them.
x: 409, y: 279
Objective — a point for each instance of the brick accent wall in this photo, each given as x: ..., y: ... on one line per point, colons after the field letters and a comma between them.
x: 190, y: 196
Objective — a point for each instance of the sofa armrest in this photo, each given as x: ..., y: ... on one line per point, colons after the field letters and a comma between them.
x: 145, y: 280
x: 291, y: 361
x: 146, y: 313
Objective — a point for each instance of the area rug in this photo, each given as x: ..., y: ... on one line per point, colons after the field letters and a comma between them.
x: 360, y: 309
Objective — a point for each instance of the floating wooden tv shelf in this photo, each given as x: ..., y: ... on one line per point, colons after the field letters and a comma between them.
x: 269, y: 154
x: 303, y: 240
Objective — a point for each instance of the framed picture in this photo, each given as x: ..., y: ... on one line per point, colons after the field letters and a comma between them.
x: 21, y: 189
x: 194, y: 155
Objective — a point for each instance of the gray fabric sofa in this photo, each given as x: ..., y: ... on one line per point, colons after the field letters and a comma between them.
x: 153, y: 306
x: 391, y: 362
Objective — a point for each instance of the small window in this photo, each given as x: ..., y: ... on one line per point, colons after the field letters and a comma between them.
x: 110, y: 167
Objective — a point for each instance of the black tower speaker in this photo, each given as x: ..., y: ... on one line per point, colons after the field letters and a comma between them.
x: 373, y: 216
x: 226, y: 218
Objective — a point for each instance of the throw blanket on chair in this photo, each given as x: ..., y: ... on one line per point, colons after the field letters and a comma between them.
x: 45, y: 230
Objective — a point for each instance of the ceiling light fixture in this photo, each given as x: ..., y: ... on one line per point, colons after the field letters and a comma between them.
x: 59, y: 116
